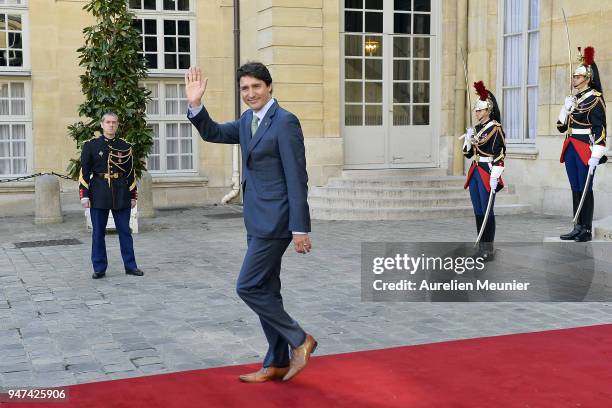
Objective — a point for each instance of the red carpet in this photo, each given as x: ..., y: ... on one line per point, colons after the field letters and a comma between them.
x: 552, y: 369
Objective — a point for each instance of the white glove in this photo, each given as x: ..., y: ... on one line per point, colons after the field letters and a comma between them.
x: 593, y: 162
x: 493, y: 183
x: 570, y: 103
x: 567, y: 108
x: 496, y: 172
x: 467, y: 139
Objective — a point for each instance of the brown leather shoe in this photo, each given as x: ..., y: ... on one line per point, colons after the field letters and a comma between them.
x: 300, y: 357
x: 265, y: 374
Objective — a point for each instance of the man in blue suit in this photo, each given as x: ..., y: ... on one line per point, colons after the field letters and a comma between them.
x: 275, y: 190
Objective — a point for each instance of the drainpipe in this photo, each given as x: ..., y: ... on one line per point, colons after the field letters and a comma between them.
x: 235, y: 148
x: 460, y: 86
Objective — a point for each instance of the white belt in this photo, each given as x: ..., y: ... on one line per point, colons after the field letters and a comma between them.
x: 485, y: 159
x: 579, y: 131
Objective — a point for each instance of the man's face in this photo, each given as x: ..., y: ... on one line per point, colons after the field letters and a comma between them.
x: 578, y: 81
x: 255, y: 93
x: 110, y: 125
x: 481, y: 114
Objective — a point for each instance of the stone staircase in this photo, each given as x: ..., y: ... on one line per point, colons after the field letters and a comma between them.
x: 400, y: 195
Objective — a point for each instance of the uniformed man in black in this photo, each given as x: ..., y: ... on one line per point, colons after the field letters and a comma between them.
x: 583, y: 119
x: 108, y: 183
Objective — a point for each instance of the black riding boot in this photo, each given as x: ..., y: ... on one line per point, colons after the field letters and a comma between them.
x: 577, y: 227
x: 585, y: 219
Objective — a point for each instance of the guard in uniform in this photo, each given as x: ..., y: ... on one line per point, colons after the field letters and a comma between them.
x: 108, y: 183
x: 583, y: 119
x: 486, y: 145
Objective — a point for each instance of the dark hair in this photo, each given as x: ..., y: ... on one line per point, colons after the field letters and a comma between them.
x: 255, y: 70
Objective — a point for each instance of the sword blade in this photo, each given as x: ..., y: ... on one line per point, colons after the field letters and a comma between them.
x: 586, y: 188
x: 467, y: 87
x: 486, y: 216
x: 569, y: 51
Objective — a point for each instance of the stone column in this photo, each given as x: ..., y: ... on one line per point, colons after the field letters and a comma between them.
x: 47, y: 198
x: 145, y: 196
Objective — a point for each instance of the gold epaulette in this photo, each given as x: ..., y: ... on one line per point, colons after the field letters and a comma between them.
x: 125, y: 141
x: 596, y: 93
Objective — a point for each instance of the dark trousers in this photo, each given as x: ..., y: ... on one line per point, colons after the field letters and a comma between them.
x: 480, y: 199
x: 259, y: 287
x: 99, y: 219
x: 577, y: 173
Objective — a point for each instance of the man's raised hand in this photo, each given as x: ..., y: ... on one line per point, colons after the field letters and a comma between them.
x: 195, y: 86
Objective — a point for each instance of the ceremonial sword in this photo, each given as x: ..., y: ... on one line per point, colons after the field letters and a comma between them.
x: 486, y: 216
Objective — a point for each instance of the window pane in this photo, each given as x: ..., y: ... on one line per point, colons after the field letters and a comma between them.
x: 353, y: 4
x: 150, y: 44
x: 353, y: 21
x: 149, y: 4
x: 373, y: 115
x: 532, y: 112
x: 169, y: 27
x: 4, y: 90
x: 184, y: 61
x: 170, y: 61
x: 401, y: 70
x: 5, y: 164
x: 17, y: 90
x: 353, y: 92
x: 401, y: 93
x: 420, y: 115
x: 15, y: 58
x: 421, y: 47
x: 4, y: 149
x: 172, y: 146
x: 19, y: 166
x: 186, y: 145
x: 511, y: 114
x: 421, y: 93
x: 374, y: 22
x: 183, y: 45
x: 150, y: 26
x: 151, y: 60
x: 172, y: 108
x: 512, y: 52
x: 401, y: 47
x: 4, y: 108
x: 18, y: 107
x: 401, y: 23
x: 172, y: 163
x: 183, y: 5
x: 171, y: 91
x: 534, y: 14
x: 171, y: 132
x: 373, y: 69
x: 169, y: 4
x: 186, y: 162
x: 422, y: 5
x: 3, y: 40
x: 14, y: 22
x: 354, y: 69
x: 19, y: 149
x: 401, y: 115
x: 170, y: 44
x: 402, y: 5
x: 421, y: 70
x: 353, y: 115
x: 422, y: 24
x: 5, y: 132
x: 14, y: 40
x: 18, y: 132
x: 513, y: 12
x: 135, y: 4
x: 352, y: 46
x: 534, y: 58
x: 373, y: 92
x: 373, y: 46
x: 183, y: 27
x: 374, y: 4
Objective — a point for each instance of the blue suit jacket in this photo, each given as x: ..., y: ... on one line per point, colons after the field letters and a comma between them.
x: 274, y: 178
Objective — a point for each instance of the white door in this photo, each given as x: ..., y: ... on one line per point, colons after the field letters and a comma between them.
x: 389, y: 84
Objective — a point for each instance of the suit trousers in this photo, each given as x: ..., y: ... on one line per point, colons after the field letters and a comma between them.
x: 259, y: 287
x: 99, y: 219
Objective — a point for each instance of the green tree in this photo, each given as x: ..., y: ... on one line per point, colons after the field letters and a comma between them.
x: 113, y: 71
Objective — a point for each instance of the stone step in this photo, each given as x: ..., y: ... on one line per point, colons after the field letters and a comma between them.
x: 406, y: 173
x: 399, y: 203
x: 405, y: 182
x: 414, y: 213
x: 389, y: 192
